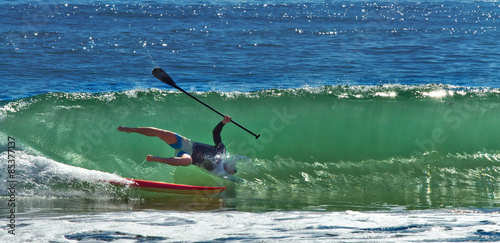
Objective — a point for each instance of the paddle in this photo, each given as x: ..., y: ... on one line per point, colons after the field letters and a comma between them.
x: 163, y: 76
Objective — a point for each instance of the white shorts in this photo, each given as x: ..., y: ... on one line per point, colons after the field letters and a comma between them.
x: 182, y: 146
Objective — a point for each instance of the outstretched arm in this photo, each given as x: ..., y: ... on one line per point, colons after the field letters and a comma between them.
x: 217, y: 130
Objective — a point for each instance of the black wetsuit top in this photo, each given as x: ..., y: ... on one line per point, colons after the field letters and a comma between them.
x: 204, y: 154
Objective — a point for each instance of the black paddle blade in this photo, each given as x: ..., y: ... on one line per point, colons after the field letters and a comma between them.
x: 163, y: 76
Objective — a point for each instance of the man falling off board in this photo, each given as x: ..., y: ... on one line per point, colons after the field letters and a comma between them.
x: 188, y: 152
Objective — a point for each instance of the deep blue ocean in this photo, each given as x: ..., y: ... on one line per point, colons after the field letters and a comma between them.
x: 246, y: 46
x: 380, y: 120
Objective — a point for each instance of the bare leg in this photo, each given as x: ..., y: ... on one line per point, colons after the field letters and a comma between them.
x: 185, y: 160
x: 167, y: 136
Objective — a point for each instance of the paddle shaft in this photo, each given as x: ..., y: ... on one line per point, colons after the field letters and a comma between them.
x: 164, y: 77
x: 216, y: 111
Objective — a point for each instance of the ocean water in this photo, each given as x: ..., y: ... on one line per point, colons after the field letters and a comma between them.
x: 379, y: 121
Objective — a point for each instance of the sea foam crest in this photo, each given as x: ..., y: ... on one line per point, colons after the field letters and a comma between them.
x: 36, y: 175
x: 389, y: 91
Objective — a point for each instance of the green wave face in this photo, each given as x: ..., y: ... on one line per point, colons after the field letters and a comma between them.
x: 404, y: 145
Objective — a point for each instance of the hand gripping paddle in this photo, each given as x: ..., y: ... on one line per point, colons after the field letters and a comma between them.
x: 163, y: 76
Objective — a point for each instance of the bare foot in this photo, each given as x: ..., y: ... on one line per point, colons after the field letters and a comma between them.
x: 149, y: 158
x: 125, y: 129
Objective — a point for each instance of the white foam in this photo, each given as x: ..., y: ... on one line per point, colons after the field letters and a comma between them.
x: 348, y: 226
x: 13, y: 107
x: 40, y: 172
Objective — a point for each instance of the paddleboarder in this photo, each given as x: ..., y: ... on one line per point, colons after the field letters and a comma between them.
x: 188, y: 152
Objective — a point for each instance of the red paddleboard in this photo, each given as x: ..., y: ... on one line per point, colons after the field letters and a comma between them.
x: 154, y: 186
